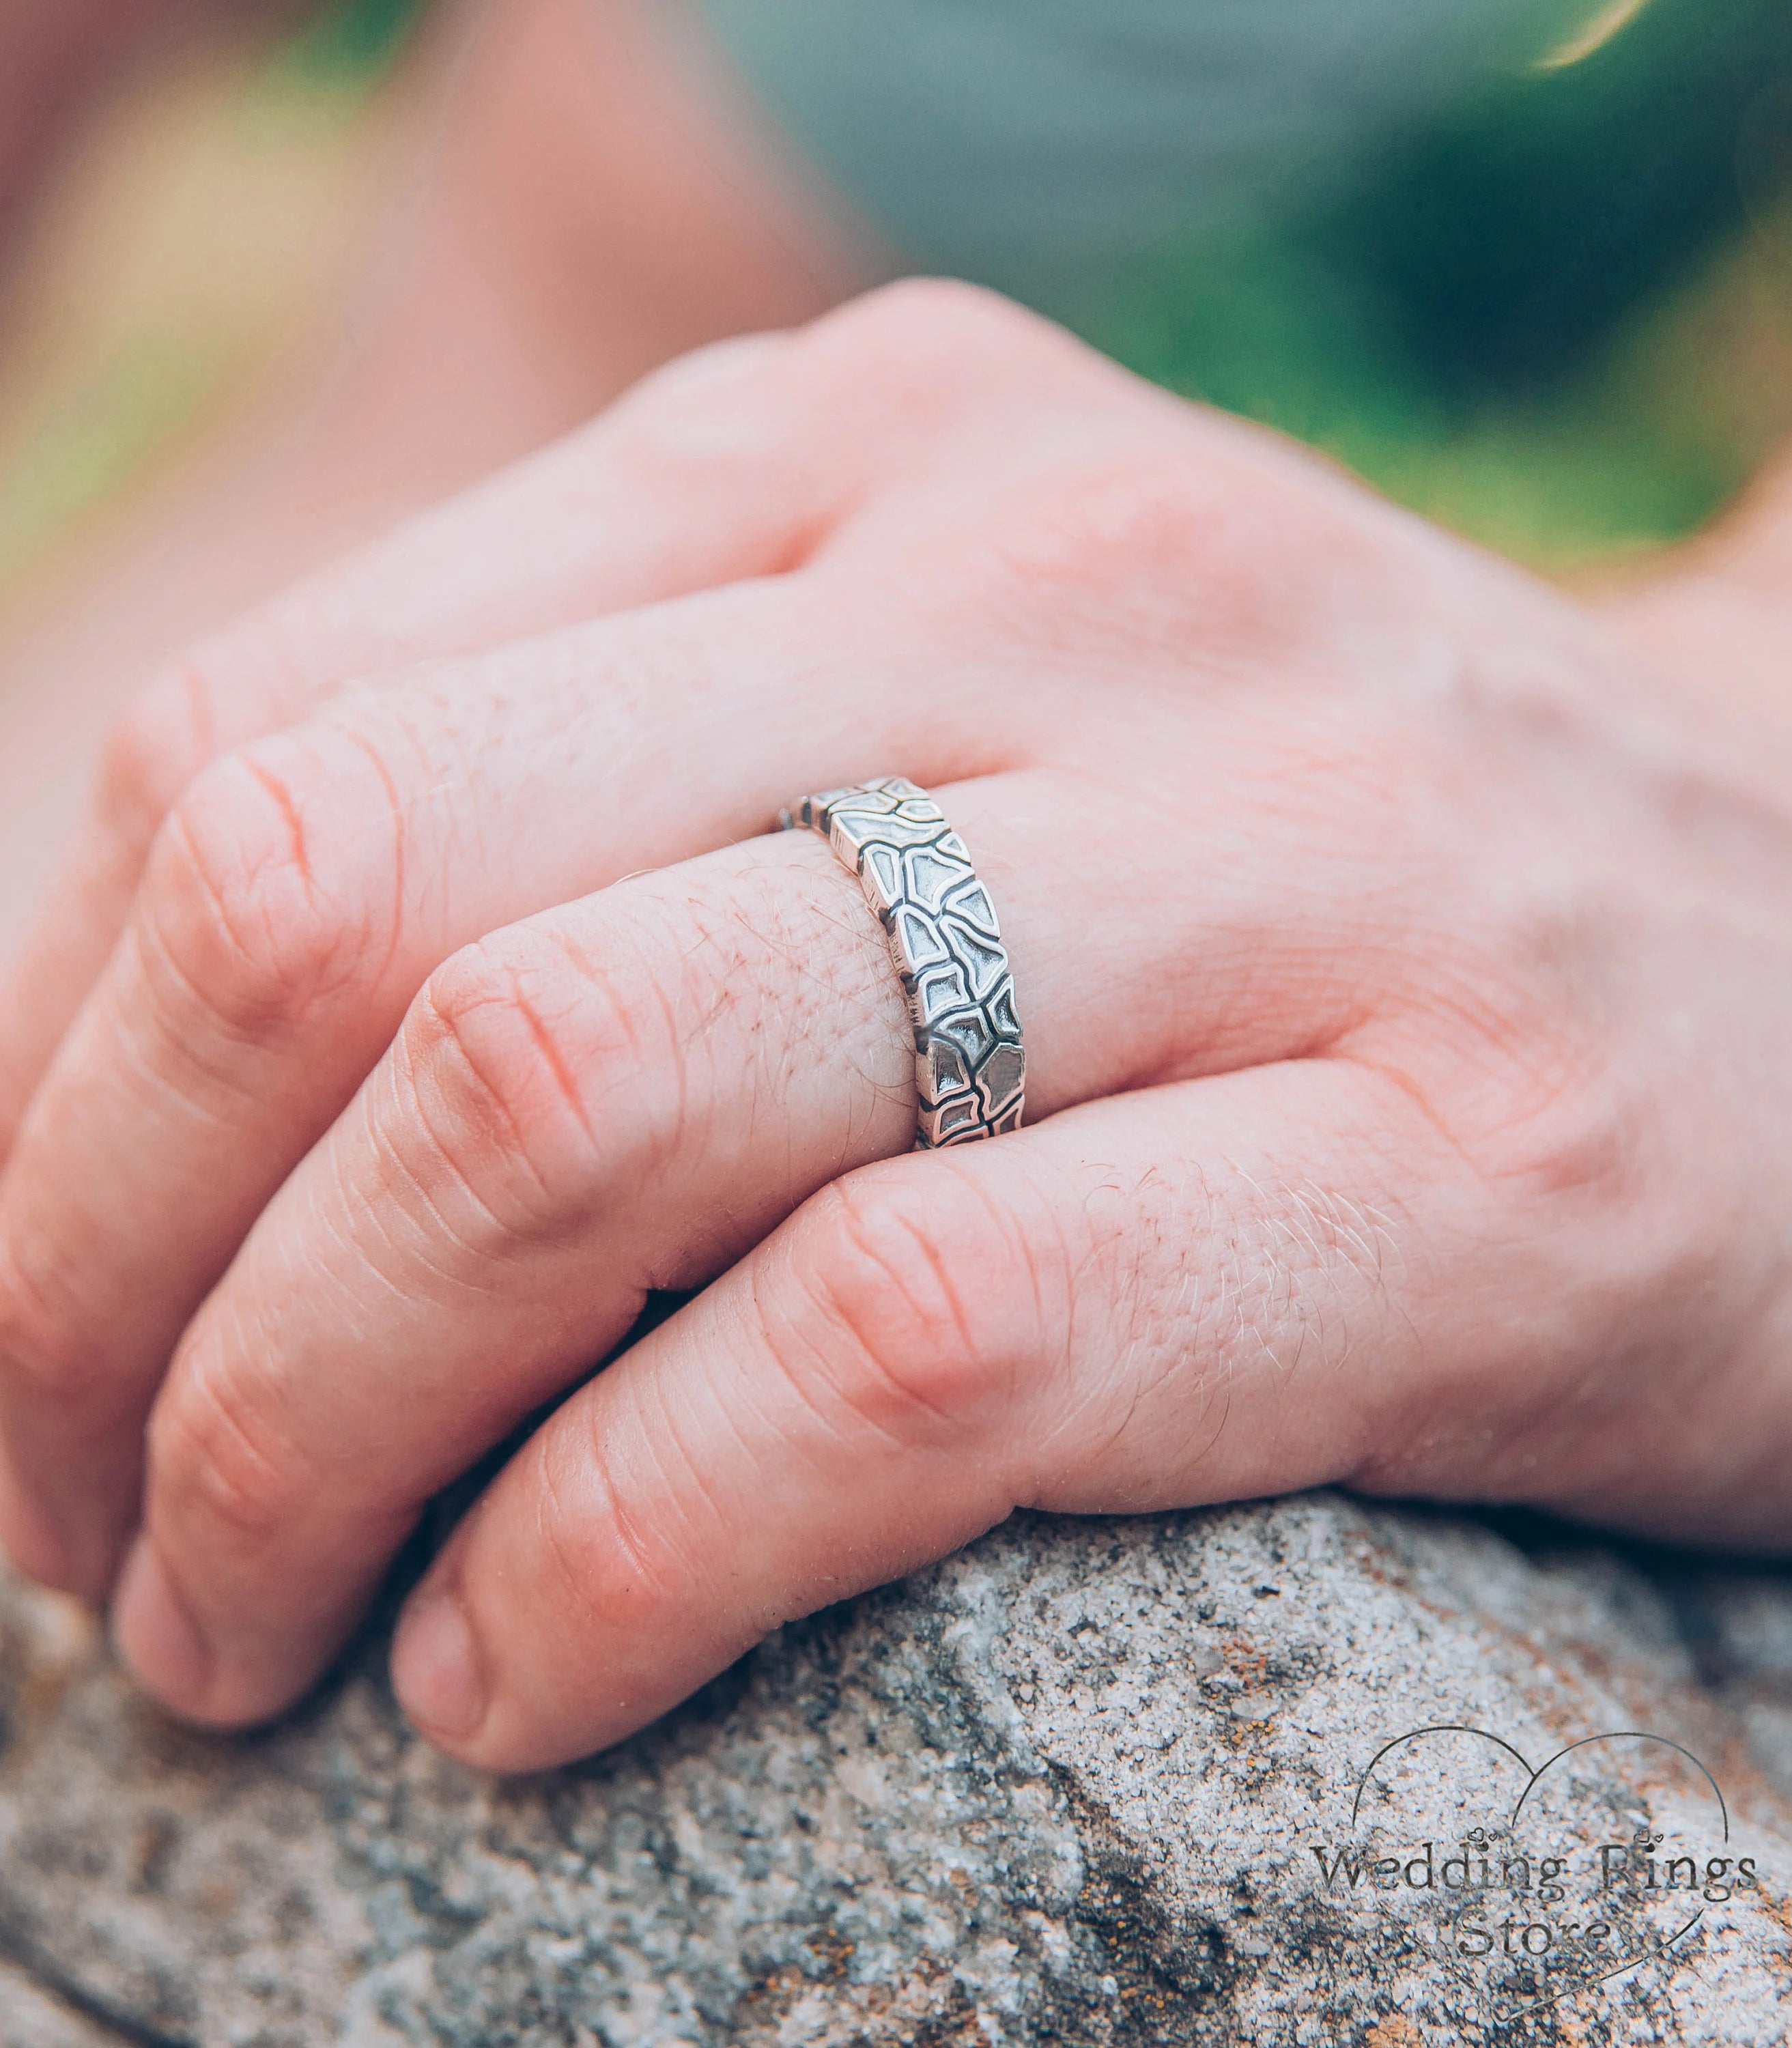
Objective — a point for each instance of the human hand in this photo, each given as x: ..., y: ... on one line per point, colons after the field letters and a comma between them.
x: 1407, y: 1071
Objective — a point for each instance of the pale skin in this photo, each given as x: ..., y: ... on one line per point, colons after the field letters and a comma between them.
x: 1403, y: 986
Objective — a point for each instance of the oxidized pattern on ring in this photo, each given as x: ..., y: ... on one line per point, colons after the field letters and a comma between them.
x: 970, y: 1066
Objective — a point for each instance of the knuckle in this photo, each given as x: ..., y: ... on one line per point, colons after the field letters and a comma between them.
x: 719, y: 405
x: 1140, y: 515
x: 496, y: 1053
x: 902, y: 1296
x: 151, y: 753
x: 220, y: 1471
x: 1143, y: 537
x: 1558, y: 1132
x: 928, y: 348
x: 615, y: 1568
x: 1496, y: 1018
x: 259, y: 916
x: 925, y: 318
x: 1175, y: 538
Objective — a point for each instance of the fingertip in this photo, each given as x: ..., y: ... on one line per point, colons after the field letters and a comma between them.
x: 156, y: 1636
x: 437, y: 1672
x: 462, y: 1692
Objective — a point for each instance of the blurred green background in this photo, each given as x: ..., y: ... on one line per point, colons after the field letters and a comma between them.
x: 1559, y: 319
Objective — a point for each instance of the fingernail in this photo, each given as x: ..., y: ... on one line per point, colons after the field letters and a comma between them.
x: 156, y: 1633
x: 435, y: 1666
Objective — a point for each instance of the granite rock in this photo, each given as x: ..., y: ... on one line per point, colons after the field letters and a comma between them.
x: 1096, y: 1782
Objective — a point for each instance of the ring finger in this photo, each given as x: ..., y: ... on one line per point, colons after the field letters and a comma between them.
x: 296, y: 899
x: 624, y: 1093
x: 613, y: 517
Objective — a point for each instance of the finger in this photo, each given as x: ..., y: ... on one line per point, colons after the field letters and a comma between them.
x: 301, y: 893
x: 614, y: 1097
x: 1190, y: 1294
x: 666, y: 494
x: 624, y: 1094
x: 728, y: 464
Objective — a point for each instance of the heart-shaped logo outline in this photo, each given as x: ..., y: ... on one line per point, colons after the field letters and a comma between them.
x: 1533, y: 1774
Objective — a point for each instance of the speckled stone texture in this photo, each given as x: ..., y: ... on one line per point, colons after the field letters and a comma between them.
x: 1065, y: 1788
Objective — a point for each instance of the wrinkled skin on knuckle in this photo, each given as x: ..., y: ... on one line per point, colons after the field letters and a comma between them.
x: 1647, y: 1305
x: 538, y: 1075
x: 614, y: 1567
x: 1531, y: 1384
x: 1490, y: 934
x: 1522, y: 1019
x: 1120, y: 543
x: 254, y: 920
x: 1075, y: 512
x: 490, y: 1120
x: 225, y: 1482
x: 917, y: 1314
x: 1515, y: 1074
x: 1530, y: 982
x: 1538, y: 1098
x: 616, y: 1551
x: 1564, y: 1270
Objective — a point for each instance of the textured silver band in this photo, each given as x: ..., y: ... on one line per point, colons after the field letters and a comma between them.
x: 970, y: 1066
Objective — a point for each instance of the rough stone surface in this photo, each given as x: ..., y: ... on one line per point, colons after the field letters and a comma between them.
x: 31, y: 2017
x: 1066, y: 1788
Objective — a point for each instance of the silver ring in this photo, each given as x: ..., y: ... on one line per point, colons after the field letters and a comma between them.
x: 970, y: 1065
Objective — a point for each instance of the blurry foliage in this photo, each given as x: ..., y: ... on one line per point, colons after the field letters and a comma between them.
x: 1559, y: 319
x: 1517, y: 321
x: 1510, y: 243
x: 353, y: 39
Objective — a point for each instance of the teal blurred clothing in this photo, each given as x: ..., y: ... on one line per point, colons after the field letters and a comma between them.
x: 1021, y: 142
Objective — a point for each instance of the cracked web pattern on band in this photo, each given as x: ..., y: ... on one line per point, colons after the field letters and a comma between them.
x: 970, y: 1069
